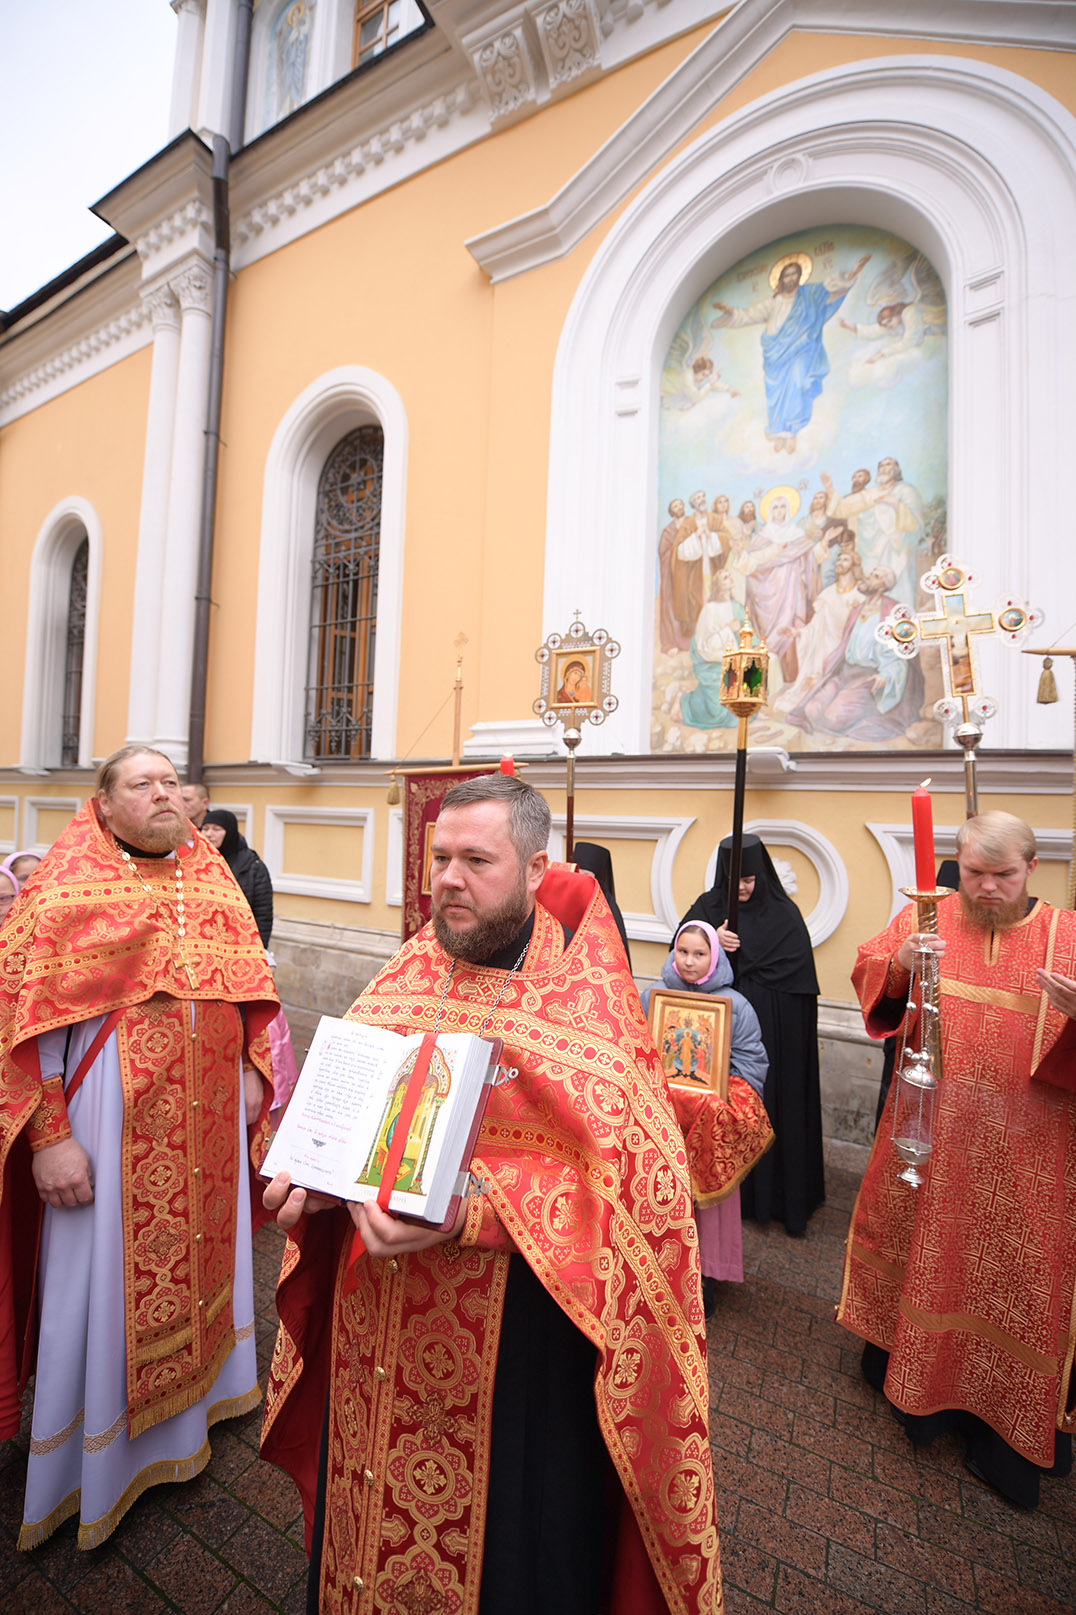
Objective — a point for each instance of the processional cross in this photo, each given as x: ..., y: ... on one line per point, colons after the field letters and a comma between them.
x: 952, y: 627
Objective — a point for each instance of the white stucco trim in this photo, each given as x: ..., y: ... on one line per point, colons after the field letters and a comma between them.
x: 666, y: 832
x: 59, y: 536
x: 300, y: 885
x: 974, y: 165
x: 394, y: 860
x: 829, y: 866
x: 10, y: 844
x: 324, y: 412
x: 32, y: 808
x: 895, y: 840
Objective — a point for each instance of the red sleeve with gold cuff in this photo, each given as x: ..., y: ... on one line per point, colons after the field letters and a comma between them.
x: 49, y: 1123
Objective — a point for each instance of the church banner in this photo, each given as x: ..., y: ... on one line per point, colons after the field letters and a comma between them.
x: 423, y: 793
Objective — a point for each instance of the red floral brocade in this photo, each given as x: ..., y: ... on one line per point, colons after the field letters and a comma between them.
x: 83, y: 939
x: 588, y: 1181
x: 724, y: 1137
x: 970, y: 1281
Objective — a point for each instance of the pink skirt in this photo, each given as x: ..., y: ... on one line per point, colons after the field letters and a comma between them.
x: 721, y: 1239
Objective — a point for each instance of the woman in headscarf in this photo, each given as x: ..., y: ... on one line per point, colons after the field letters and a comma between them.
x: 221, y: 830
x: 597, y: 862
x: 697, y: 964
x: 774, y: 970
x: 9, y: 890
x: 21, y: 865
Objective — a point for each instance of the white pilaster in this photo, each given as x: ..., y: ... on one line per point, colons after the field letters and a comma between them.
x: 218, y: 50
x: 187, y: 67
x: 153, y: 515
x: 193, y: 287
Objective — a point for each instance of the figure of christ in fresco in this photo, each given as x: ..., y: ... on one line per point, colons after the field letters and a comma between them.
x: 698, y: 555
x: 818, y: 639
x: 794, y: 361
x: 779, y: 566
x: 717, y: 630
x: 867, y: 692
x: 669, y: 635
x: 888, y: 520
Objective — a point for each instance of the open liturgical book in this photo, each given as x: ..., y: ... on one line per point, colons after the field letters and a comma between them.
x: 338, y: 1132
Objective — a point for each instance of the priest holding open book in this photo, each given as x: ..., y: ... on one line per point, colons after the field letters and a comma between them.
x: 508, y: 1414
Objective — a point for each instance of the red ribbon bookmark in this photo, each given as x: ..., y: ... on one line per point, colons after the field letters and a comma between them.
x: 396, y: 1148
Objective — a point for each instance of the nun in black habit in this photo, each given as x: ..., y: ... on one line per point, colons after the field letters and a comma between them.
x: 774, y: 970
x: 596, y: 861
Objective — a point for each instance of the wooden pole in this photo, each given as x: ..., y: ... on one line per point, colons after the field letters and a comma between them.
x: 738, y: 793
x: 458, y: 714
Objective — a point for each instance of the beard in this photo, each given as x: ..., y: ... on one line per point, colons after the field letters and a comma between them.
x: 994, y: 916
x: 487, y: 935
x: 163, y: 834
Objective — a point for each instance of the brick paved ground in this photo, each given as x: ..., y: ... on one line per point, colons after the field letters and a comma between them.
x: 824, y: 1506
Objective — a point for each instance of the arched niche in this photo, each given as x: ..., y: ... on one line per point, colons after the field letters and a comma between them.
x: 975, y: 166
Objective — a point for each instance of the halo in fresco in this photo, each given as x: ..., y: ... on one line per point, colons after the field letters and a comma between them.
x: 803, y: 475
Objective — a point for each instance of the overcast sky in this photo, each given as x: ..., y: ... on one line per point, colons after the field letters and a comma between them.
x: 84, y: 92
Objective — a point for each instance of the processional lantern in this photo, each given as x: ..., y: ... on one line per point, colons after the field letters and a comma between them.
x: 576, y: 688
x: 745, y: 673
x: 954, y: 626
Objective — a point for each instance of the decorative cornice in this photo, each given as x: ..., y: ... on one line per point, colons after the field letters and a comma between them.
x: 77, y: 356
x: 192, y: 216
x: 506, y: 67
x: 382, y: 144
x: 570, y: 36
x: 751, y: 31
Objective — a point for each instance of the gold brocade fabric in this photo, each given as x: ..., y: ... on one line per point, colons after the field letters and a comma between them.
x: 724, y: 1137
x: 85, y: 938
x: 588, y: 1180
x: 970, y: 1281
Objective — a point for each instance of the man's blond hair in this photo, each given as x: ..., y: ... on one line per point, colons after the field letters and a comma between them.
x: 108, y: 772
x: 995, y: 836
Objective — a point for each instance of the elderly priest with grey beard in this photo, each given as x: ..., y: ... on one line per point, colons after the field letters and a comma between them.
x: 135, y: 1078
x: 964, y: 1288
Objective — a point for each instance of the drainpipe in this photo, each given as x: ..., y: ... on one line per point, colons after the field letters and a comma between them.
x: 224, y: 147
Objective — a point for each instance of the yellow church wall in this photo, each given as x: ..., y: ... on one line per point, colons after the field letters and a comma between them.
x: 85, y: 443
x: 392, y: 287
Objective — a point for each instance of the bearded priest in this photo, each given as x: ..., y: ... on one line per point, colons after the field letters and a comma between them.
x: 135, y: 1075
x: 511, y: 1414
x: 963, y: 1288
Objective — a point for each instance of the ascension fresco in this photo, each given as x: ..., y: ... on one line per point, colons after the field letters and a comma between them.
x: 802, y: 481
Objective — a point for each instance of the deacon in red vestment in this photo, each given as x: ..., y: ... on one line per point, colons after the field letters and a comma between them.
x: 134, y: 1002
x: 968, y: 1282
x: 513, y: 1414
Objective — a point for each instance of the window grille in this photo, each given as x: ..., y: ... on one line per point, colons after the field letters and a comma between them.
x: 76, y: 640
x: 377, y: 26
x: 340, y: 687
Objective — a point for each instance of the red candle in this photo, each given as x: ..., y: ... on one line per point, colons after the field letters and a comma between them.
x: 923, y: 837
x: 508, y: 764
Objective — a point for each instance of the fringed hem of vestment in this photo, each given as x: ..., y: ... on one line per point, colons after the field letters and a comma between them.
x: 146, y: 1418
x: 165, y: 1471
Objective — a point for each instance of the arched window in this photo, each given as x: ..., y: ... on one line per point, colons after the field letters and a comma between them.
x: 71, y: 722
x: 343, y: 599
x: 62, y: 612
